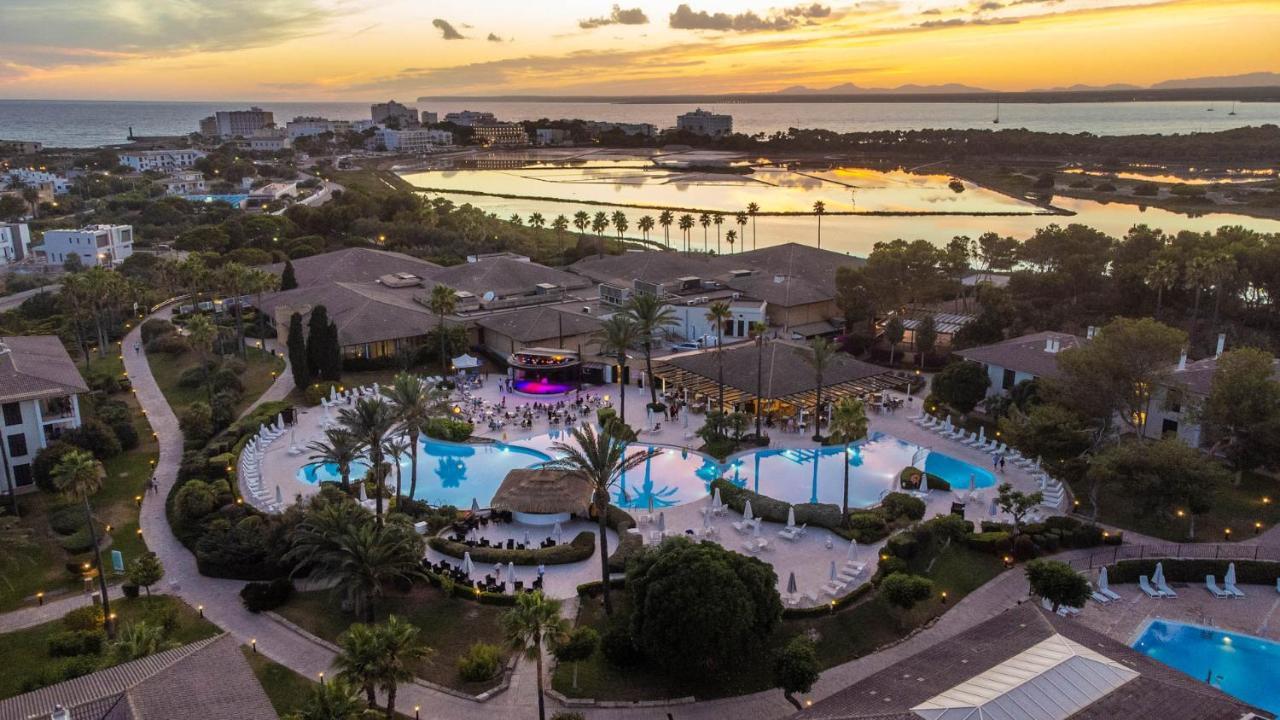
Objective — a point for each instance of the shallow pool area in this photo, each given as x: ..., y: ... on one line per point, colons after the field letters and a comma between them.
x: 1242, y: 666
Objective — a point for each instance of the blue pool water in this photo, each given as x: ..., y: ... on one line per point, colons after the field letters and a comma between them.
x: 455, y: 473
x: 1242, y: 666
x: 817, y: 475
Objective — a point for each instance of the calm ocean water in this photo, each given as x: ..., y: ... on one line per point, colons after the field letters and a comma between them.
x: 87, y: 124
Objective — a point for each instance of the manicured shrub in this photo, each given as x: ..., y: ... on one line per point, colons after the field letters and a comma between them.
x: 448, y: 429
x: 67, y: 519
x: 173, y: 344
x: 262, y: 596
x: 481, y: 662
x: 154, y: 328
x: 70, y: 643
x: 126, y: 434
x: 192, y: 377
x: 903, y: 545
x: 1024, y: 548
x: 1248, y: 572
x: 890, y: 564
x: 226, y: 379
x: 77, y: 542
x: 83, y: 618
x: 867, y: 526
x: 989, y: 542
x: 619, y: 647
x: 130, y: 590
x: 78, y: 666
x: 318, y: 391
x: 93, y: 435
x: 948, y: 527
x: 901, y: 505
x: 197, y: 424
x: 582, y: 547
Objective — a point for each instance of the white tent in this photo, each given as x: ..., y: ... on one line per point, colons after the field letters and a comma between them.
x: 466, y: 362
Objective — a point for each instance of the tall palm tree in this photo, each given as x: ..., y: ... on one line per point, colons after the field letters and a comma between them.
x: 536, y: 221
x: 515, y: 219
x: 369, y: 422
x: 1220, y: 269
x: 821, y: 352
x: 705, y: 221
x: 394, y: 447
x: 599, y: 223
x: 399, y: 647
x: 620, y: 224
x: 414, y: 404
x: 652, y: 317
x: 32, y: 196
x: 616, y: 336
x: 356, y: 558
x: 357, y: 659
x: 730, y: 237
x: 77, y: 476
x: 718, y: 313
x: 601, y: 459
x: 848, y: 424
x: 740, y: 218
x: 665, y: 219
x: 686, y: 224
x: 442, y: 301
x: 1196, y: 277
x: 718, y: 220
x: 582, y: 221
x: 339, y: 448
x: 645, y: 224
x: 560, y: 224
x: 1162, y: 275
x: 757, y: 332
x: 235, y: 280
x: 752, y: 210
x: 201, y: 332
x: 819, y: 209
x: 334, y: 700
x: 530, y: 626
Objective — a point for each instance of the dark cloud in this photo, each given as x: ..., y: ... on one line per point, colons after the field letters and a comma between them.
x: 447, y: 30
x: 619, y: 16
x: 493, y: 38
x: 686, y: 18
x: 932, y: 11
x: 989, y: 6
x: 958, y: 22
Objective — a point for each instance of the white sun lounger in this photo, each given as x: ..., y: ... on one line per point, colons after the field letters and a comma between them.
x: 1211, y: 584
x: 1231, y: 588
x: 834, y: 588
x: 1111, y: 594
x: 792, y: 533
x: 1167, y: 591
x: 1145, y: 586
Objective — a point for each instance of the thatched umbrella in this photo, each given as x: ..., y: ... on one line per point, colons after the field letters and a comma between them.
x: 542, y: 491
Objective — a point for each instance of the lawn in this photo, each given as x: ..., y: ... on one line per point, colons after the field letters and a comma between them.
x: 1237, y: 507
x: 286, y: 689
x: 449, y: 627
x: 25, y: 653
x: 845, y: 635
x: 257, y: 377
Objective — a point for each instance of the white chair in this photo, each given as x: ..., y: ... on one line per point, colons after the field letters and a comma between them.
x: 833, y: 588
x: 1231, y: 588
x: 1168, y: 592
x: 1145, y: 586
x: 1211, y: 584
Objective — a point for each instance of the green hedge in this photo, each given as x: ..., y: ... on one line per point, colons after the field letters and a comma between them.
x: 629, y: 543
x: 823, y: 515
x: 830, y: 607
x: 595, y: 587
x: 580, y: 548
x: 1248, y: 572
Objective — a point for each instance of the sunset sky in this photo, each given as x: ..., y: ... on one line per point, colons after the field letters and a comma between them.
x: 361, y: 50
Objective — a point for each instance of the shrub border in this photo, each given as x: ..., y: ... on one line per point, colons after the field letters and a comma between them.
x: 582, y: 547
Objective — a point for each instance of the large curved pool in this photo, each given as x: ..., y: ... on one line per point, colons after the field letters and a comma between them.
x: 457, y: 473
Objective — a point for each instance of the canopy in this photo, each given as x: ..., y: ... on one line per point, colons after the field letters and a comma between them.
x: 466, y: 362
x: 543, y: 491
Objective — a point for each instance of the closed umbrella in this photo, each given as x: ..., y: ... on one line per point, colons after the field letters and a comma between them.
x: 924, y: 482
x: 973, y: 483
x: 755, y: 531
x: 706, y: 520
x: 982, y: 434
x: 363, y: 495
x: 853, y: 551
x: 1158, y: 577
x: 715, y: 499
x: 475, y: 506
x: 526, y: 538
x: 662, y: 522
x: 558, y: 533
x: 511, y: 572
x: 279, y: 495
x: 1102, y: 577
x: 746, y: 511
x: 650, y: 503
x: 791, y: 584
x: 468, y: 567
x: 832, y: 575
x: 791, y: 516
x: 280, y: 422
x: 1230, y: 579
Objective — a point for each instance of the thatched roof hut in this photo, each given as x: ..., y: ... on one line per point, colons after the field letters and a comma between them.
x: 542, y: 491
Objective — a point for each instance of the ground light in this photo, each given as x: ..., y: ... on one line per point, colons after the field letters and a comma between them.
x: 1226, y: 534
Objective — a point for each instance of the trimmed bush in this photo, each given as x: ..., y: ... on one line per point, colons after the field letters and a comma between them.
x: 262, y: 596
x: 448, y: 429
x: 628, y: 544
x: 582, y: 547
x: 93, y: 435
x: 172, y: 344
x: 481, y: 662
x: 903, y: 545
x: 77, y: 542
x: 71, y: 643
x: 824, y: 515
x: 897, y: 505
x: 867, y: 526
x: 154, y: 328
x: 1248, y: 572
x: 619, y: 647
x: 994, y: 542
x: 84, y: 618
x: 1024, y: 547
x: 126, y: 433
x: 67, y: 519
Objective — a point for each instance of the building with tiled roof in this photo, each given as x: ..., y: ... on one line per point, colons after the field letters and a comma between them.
x: 39, y: 389
x: 543, y: 326
x: 1027, y: 357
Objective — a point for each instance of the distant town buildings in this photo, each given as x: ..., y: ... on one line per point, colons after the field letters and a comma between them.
x: 20, y: 147
x: 237, y: 123
x: 507, y: 134
x: 552, y: 136
x: 414, y: 140
x: 392, y: 111
x: 39, y: 385
x: 185, y: 183
x: 160, y: 160
x: 97, y: 245
x: 471, y: 118
x: 15, y: 242
x: 43, y: 180
x: 702, y: 122
x: 268, y: 140
x: 430, y: 118
x: 308, y: 126
x: 642, y: 129
x: 270, y: 193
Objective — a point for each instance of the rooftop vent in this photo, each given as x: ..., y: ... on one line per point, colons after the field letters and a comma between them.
x: 743, y: 272
x: 399, y: 280
x: 1052, y: 345
x: 779, y: 279
x: 60, y: 713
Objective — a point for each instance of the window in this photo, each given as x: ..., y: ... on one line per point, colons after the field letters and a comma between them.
x: 1008, y: 381
x: 22, y: 475
x: 1169, y: 427
x: 12, y: 414
x: 17, y: 445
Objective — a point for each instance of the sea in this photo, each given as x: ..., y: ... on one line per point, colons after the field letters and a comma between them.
x: 77, y: 123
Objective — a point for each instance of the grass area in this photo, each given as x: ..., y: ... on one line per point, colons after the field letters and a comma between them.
x: 850, y: 633
x: 1237, y: 507
x: 286, y: 689
x: 449, y: 626
x: 362, y: 378
x: 256, y: 378
x: 25, y: 653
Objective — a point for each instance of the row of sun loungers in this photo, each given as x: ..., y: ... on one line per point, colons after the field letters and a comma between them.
x: 971, y: 439
x: 249, y: 466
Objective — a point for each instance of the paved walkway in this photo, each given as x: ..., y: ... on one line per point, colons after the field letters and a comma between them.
x: 54, y: 609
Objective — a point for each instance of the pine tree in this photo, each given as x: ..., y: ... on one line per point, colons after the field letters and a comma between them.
x: 332, y: 368
x: 298, y: 363
x: 288, y: 280
x: 317, y: 329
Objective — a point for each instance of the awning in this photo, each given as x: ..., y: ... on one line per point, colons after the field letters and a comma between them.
x: 466, y: 362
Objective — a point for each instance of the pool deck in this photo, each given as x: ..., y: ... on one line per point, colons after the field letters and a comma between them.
x: 1257, y: 613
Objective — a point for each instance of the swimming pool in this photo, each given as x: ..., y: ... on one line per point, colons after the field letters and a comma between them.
x: 817, y: 474
x: 1242, y: 666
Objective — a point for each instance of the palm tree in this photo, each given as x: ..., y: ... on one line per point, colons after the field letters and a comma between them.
x: 752, y: 210
x: 357, y: 659
x: 705, y: 221
x: 620, y: 224
x: 335, y: 700
x: 819, y: 209
x: 533, y: 623
x: 651, y: 316
x: 582, y: 221
x: 665, y: 218
x: 339, y: 448
x: 740, y: 218
x: 821, y: 352
x: 235, y: 280
x: 1162, y: 275
x: 645, y: 224
x: 730, y: 237
x: 414, y: 404
x: 345, y: 551
x: 77, y: 476
x: 369, y: 422
x: 32, y: 196
x: 139, y: 640
x: 515, y: 219
x: 442, y: 301
x: 560, y: 224
x: 1196, y: 277
x: 718, y: 219
x: 537, y: 221
x: 757, y: 332
x: 848, y: 423
x: 1218, y: 271
x: 718, y: 313
x: 393, y: 448
x: 616, y: 336
x: 201, y: 332
x: 601, y: 459
x: 398, y: 647
x: 686, y: 224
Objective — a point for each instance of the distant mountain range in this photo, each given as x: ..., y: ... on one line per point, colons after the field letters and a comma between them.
x: 1256, y: 79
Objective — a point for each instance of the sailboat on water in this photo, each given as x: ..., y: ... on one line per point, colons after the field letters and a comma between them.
x: 1233, y: 108
x: 997, y: 120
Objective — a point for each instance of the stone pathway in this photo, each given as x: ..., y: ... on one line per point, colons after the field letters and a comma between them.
x: 54, y: 609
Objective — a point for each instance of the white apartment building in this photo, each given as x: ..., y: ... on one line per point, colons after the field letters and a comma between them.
x: 160, y: 160
x: 31, y: 177
x: 470, y: 118
x: 237, y: 123
x: 413, y: 141
x: 702, y: 122
x: 552, y: 136
x: 97, y: 245
x: 308, y: 126
x: 268, y: 140
x: 39, y: 385
x: 391, y: 110
x: 15, y: 242
x: 185, y: 183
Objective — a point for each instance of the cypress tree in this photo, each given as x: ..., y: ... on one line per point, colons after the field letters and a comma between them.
x: 288, y: 280
x: 297, y: 345
x: 317, y: 330
x: 332, y: 354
